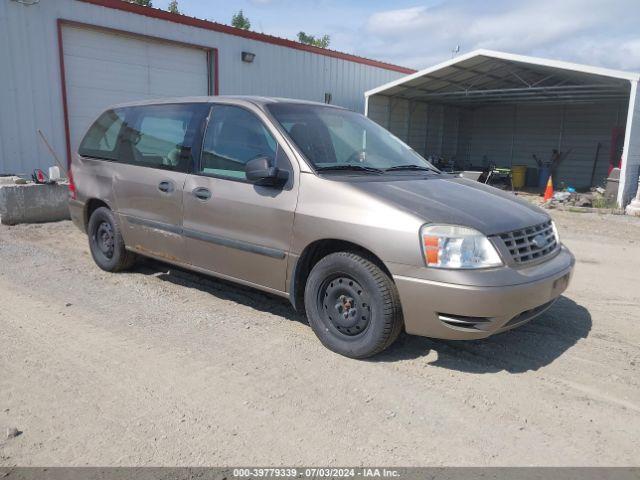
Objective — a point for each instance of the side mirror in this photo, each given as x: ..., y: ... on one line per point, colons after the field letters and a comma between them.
x: 260, y: 171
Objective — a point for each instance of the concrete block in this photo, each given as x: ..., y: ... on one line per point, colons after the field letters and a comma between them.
x: 33, y: 203
x: 12, y: 180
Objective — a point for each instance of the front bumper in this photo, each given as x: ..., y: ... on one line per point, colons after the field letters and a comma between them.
x: 463, y: 312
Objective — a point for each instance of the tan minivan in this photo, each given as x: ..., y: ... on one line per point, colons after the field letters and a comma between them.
x: 320, y: 205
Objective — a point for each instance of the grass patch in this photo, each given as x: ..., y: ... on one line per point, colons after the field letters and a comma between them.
x: 603, y: 202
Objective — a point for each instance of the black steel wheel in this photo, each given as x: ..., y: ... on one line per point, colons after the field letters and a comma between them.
x: 352, y: 305
x: 104, y: 239
x: 106, y: 243
x: 344, y: 305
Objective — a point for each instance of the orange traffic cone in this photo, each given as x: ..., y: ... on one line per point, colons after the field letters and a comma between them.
x: 548, y: 192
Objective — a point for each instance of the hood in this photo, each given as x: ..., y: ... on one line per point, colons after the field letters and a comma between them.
x: 457, y: 201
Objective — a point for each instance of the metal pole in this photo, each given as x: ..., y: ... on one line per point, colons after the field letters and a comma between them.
x: 53, y: 153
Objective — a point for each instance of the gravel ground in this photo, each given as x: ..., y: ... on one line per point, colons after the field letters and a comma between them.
x: 162, y: 367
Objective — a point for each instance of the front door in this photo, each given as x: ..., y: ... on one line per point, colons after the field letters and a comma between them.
x: 154, y: 158
x: 232, y: 227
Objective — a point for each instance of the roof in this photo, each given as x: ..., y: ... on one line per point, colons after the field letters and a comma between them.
x: 260, y: 37
x: 255, y: 99
x: 486, y: 76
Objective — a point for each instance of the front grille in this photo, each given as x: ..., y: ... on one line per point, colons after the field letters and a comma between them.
x: 522, y: 246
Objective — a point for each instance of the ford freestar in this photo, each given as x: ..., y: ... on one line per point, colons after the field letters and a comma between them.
x: 320, y: 205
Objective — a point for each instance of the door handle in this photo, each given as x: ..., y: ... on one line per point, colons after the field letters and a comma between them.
x: 166, y: 186
x: 202, y: 193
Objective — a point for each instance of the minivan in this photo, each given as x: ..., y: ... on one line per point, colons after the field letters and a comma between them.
x: 320, y: 205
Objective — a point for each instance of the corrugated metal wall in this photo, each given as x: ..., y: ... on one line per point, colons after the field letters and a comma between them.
x: 418, y: 126
x: 378, y: 109
x: 450, y: 131
x: 510, y: 134
x: 584, y: 127
x: 536, y: 130
x: 398, y: 114
x: 30, y: 92
x: 428, y: 129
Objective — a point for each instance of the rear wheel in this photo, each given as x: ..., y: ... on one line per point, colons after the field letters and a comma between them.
x: 352, y: 305
x: 106, y: 243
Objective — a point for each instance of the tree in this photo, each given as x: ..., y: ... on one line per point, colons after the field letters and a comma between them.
x: 240, y: 21
x: 322, y: 42
x: 144, y: 3
x: 173, y: 6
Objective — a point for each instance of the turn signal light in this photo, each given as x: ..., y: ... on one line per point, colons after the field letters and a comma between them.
x: 431, y: 249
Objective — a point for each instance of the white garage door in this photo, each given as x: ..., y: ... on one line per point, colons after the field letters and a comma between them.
x: 103, y: 68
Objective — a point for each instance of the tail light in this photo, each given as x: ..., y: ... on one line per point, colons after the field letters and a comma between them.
x: 72, y: 186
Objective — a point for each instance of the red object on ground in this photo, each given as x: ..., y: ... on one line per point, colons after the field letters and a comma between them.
x: 617, y: 145
x: 548, y: 192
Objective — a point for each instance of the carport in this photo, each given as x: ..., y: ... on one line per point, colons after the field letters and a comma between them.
x: 493, y: 108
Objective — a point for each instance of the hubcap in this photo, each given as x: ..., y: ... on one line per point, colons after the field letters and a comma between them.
x: 345, y: 305
x: 104, y: 239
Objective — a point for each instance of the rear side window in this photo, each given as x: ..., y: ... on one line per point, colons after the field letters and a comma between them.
x: 101, y: 141
x: 160, y: 136
x: 234, y: 136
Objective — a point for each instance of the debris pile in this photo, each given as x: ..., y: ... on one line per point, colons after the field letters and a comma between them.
x: 595, y: 198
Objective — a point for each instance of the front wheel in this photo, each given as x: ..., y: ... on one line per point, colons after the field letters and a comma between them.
x: 352, y: 305
x: 106, y: 243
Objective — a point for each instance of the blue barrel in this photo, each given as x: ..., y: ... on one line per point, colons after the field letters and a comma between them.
x: 543, y: 177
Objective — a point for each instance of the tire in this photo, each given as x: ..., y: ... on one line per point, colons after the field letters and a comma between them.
x: 352, y: 305
x: 106, y: 243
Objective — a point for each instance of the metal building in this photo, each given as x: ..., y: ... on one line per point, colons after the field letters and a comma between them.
x: 63, y: 61
x: 498, y: 108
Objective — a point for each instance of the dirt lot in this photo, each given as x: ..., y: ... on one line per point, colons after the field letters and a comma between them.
x: 163, y: 367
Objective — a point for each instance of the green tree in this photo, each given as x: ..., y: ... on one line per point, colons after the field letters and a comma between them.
x: 322, y: 42
x: 173, y: 6
x: 144, y: 3
x: 240, y: 21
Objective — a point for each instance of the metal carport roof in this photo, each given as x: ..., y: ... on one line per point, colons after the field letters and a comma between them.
x: 485, y: 77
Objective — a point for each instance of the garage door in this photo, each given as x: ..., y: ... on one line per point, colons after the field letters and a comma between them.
x: 103, y: 68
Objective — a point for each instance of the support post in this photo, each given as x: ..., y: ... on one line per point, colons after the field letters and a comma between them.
x: 631, y: 149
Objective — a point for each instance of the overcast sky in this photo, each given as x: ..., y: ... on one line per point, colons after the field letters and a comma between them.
x: 419, y: 34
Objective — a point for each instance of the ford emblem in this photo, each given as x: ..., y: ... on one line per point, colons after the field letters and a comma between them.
x: 539, y: 241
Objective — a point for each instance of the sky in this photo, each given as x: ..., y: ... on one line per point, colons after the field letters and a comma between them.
x: 419, y: 34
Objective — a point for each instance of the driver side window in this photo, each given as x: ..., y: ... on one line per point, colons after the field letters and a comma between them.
x: 234, y: 136
x: 347, y: 139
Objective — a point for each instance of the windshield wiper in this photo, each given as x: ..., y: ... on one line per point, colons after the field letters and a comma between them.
x: 353, y: 168
x: 410, y: 167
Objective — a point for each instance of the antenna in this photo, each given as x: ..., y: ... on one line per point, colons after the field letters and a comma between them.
x: 455, y: 51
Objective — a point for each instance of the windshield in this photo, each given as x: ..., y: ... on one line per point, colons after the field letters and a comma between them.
x: 336, y: 139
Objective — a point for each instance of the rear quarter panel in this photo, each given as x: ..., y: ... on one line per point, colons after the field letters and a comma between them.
x: 93, y: 180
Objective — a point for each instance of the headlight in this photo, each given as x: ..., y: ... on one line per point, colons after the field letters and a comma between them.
x: 451, y: 246
x: 555, y: 232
